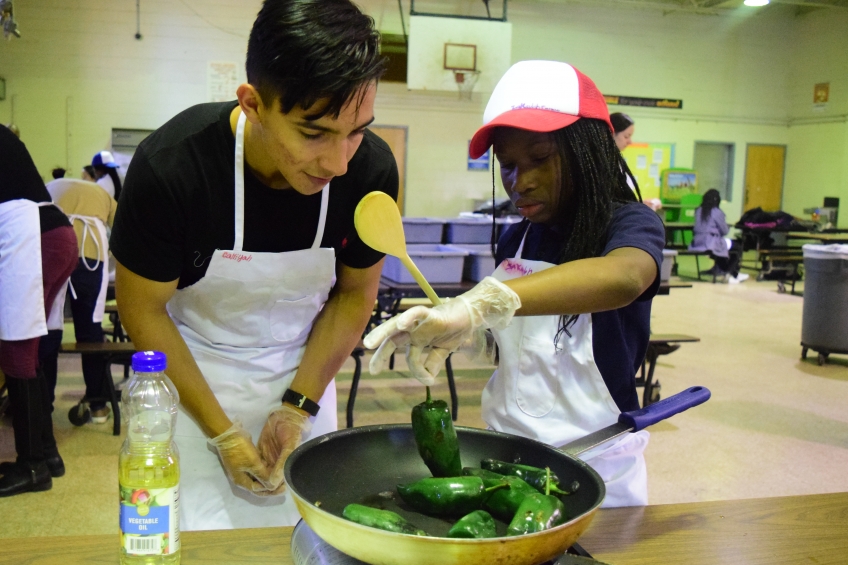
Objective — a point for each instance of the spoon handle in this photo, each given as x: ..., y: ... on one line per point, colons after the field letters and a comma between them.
x: 419, y: 278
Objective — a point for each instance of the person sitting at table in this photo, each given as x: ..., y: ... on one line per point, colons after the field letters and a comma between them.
x: 708, y: 235
x: 579, y: 275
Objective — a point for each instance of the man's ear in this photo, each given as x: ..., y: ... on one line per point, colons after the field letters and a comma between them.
x: 250, y: 102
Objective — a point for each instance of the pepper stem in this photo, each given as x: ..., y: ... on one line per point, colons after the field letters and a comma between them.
x: 547, y: 481
x: 496, y: 487
x: 428, y: 394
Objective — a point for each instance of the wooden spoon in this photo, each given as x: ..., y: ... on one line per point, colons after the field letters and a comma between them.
x: 378, y: 223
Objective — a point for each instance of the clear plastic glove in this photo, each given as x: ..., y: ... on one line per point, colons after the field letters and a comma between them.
x: 242, y: 462
x: 282, y: 433
x: 431, y: 334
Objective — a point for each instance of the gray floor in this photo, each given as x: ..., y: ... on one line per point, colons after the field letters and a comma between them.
x: 776, y: 425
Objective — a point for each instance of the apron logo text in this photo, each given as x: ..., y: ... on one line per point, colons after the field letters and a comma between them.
x: 513, y: 267
x: 236, y: 256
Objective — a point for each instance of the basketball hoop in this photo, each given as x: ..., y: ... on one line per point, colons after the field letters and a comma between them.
x: 465, y: 81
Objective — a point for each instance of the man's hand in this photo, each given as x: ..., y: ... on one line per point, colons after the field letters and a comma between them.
x: 242, y: 462
x: 282, y: 433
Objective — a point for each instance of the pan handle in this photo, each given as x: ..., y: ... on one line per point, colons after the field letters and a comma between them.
x: 665, y: 408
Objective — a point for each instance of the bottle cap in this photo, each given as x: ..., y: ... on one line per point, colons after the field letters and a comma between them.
x: 149, y: 362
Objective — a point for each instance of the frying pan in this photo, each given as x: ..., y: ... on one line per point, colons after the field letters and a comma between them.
x: 364, y: 465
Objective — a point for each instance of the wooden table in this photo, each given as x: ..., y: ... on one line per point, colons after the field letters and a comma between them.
x: 796, y: 529
x: 822, y: 237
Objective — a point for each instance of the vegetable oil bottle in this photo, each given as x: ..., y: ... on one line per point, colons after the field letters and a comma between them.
x: 148, y: 466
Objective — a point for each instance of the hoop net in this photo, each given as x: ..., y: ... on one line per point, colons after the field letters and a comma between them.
x: 465, y: 81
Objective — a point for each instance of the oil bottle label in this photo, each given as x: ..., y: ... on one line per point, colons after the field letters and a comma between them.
x: 150, y: 520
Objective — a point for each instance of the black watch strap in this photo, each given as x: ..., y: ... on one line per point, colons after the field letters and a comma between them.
x: 301, y: 402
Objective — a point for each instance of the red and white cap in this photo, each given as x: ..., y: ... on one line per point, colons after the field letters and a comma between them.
x: 539, y: 96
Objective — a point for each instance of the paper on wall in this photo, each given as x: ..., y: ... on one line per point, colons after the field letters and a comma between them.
x: 221, y: 81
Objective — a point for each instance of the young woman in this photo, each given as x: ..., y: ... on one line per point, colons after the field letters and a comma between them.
x: 623, y: 127
x: 708, y: 235
x: 578, y: 274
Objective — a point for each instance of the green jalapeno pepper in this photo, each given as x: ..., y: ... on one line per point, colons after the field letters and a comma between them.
x: 380, y: 519
x: 501, y: 503
x: 537, y: 512
x: 478, y: 524
x: 436, y: 437
x: 446, y: 496
x: 531, y: 475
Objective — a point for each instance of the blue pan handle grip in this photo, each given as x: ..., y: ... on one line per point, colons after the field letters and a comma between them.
x: 665, y: 408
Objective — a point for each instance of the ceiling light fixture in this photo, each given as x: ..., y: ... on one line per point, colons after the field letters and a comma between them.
x: 756, y: 2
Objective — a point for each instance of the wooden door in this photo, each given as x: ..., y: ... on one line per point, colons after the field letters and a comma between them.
x: 764, y: 166
x: 395, y: 137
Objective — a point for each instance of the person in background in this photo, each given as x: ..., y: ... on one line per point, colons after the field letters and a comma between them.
x: 106, y: 173
x: 238, y: 257
x: 38, y: 251
x: 623, y: 128
x: 91, y: 211
x: 708, y: 234
x: 579, y: 275
x: 58, y: 173
x: 88, y: 174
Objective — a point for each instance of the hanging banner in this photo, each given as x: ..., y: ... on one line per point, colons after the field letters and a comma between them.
x: 644, y: 102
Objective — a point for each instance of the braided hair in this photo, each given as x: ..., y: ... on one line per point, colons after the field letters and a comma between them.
x: 597, y: 174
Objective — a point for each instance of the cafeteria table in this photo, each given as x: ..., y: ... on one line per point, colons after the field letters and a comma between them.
x: 760, y: 531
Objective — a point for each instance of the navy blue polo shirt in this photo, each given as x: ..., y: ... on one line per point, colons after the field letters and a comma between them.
x: 619, y: 337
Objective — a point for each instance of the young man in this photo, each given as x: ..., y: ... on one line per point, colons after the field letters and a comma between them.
x: 238, y: 258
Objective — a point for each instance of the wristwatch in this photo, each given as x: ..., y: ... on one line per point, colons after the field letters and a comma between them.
x: 301, y: 401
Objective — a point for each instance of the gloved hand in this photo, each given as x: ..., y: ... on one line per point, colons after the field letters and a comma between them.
x: 282, y: 433
x: 241, y: 460
x: 439, y: 331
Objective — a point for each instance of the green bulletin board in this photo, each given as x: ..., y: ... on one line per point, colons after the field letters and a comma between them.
x: 647, y: 161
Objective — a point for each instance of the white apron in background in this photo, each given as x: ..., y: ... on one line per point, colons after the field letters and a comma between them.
x: 21, y: 283
x: 246, y: 323
x: 559, y: 396
x: 56, y: 319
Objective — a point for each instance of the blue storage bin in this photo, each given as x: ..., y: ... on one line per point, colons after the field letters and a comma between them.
x: 504, y: 223
x: 438, y: 263
x: 468, y: 230
x: 423, y: 230
x: 480, y: 263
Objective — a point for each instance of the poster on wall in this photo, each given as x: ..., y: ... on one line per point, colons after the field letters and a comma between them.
x: 646, y: 161
x: 221, y: 81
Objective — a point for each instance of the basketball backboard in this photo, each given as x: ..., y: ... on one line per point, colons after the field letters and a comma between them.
x: 438, y: 45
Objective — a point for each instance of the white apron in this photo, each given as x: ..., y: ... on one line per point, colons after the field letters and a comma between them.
x: 56, y: 319
x: 21, y: 284
x: 559, y: 396
x: 246, y: 323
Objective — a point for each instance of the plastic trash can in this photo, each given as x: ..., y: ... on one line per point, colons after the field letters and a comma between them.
x: 438, y: 263
x: 423, y: 230
x: 824, y: 326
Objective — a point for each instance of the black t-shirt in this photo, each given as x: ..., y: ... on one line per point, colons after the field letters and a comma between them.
x: 19, y: 180
x: 177, y: 205
x: 619, y: 337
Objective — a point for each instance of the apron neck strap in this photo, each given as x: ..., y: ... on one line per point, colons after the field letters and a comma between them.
x: 239, y: 193
x: 322, y: 218
x: 239, y: 183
